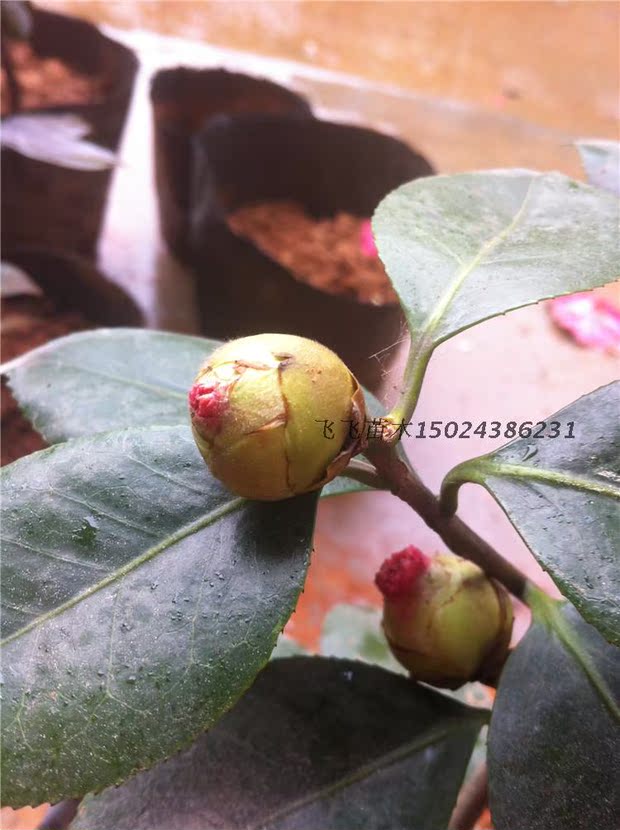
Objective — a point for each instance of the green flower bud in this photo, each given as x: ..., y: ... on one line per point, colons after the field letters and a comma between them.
x: 445, y: 621
x: 258, y: 409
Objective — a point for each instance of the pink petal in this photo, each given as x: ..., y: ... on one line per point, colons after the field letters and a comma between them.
x: 590, y: 319
x: 367, y: 240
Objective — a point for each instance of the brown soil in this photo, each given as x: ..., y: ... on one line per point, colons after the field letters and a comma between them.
x: 326, y: 253
x: 27, y: 322
x: 46, y: 82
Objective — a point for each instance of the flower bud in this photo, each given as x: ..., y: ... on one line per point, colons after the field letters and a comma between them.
x: 445, y: 621
x: 275, y: 415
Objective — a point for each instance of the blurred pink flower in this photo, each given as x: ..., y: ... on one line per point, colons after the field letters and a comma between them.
x: 592, y: 320
x: 367, y: 240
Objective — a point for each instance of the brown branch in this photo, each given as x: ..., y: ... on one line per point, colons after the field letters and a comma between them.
x: 471, y: 802
x: 406, y: 484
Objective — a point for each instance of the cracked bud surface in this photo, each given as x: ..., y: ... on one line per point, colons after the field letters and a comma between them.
x: 257, y: 410
x: 445, y: 621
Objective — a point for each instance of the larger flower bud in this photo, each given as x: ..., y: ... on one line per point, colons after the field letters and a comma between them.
x: 445, y: 621
x: 275, y: 415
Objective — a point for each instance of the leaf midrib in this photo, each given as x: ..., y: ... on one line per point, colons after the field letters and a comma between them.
x: 548, y: 612
x: 423, y: 341
x: 434, y: 319
x: 429, y: 738
x: 150, y: 553
x: 521, y: 471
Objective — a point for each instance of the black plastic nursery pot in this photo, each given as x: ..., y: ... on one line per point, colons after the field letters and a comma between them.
x: 183, y: 101
x: 323, y: 167
x: 73, y: 283
x: 75, y: 296
x: 45, y: 205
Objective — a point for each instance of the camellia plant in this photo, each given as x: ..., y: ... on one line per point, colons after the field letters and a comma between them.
x: 152, y: 556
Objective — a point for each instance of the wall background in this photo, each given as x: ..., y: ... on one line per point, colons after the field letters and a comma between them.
x: 554, y: 63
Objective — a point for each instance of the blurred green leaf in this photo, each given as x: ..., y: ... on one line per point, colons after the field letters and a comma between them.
x: 355, y: 632
x: 287, y: 647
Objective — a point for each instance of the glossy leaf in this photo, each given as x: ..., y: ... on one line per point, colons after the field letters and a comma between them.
x: 98, y: 381
x: 315, y: 743
x: 460, y: 249
x: 140, y: 599
x: 563, y: 496
x: 601, y: 161
x: 554, y: 747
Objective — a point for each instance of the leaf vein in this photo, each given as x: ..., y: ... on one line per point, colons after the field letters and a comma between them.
x: 161, y: 389
x: 429, y: 738
x: 56, y: 557
x: 101, y: 512
x: 453, y: 288
x: 169, y: 541
x: 166, y: 476
x: 551, y: 477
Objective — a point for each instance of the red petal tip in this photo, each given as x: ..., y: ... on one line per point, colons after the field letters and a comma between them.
x: 208, y: 402
x: 400, y: 572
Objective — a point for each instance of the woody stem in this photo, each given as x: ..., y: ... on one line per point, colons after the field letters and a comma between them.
x: 404, y: 483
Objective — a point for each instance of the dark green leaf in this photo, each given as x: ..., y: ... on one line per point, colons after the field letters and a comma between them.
x: 601, y: 161
x: 554, y: 747
x: 460, y: 249
x: 315, y: 743
x: 107, y: 379
x: 563, y: 496
x: 140, y: 599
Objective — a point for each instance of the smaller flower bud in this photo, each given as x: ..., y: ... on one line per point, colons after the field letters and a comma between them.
x: 445, y: 621
x: 275, y: 415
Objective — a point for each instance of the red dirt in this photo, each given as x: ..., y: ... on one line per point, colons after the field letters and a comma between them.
x: 325, y: 253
